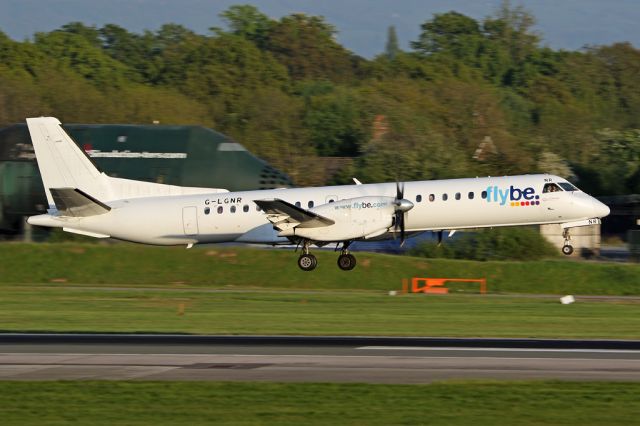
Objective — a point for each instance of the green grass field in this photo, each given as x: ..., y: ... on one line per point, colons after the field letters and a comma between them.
x: 451, y: 403
x: 78, y: 309
x: 135, y: 265
x: 130, y: 288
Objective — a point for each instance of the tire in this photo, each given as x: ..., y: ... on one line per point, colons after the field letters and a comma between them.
x: 346, y: 262
x: 567, y: 250
x: 307, y: 262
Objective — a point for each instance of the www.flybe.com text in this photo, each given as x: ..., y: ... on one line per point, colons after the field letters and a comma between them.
x: 362, y: 205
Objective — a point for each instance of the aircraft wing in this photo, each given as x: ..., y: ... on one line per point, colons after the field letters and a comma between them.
x: 286, y: 215
x: 74, y: 202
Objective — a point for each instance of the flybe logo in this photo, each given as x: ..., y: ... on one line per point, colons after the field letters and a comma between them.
x: 514, y: 197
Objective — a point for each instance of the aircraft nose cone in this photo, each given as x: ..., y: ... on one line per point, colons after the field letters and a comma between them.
x: 601, y: 209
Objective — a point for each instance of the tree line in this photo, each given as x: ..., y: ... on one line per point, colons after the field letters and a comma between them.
x: 471, y: 97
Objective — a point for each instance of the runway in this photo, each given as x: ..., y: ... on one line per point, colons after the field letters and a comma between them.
x: 311, y: 359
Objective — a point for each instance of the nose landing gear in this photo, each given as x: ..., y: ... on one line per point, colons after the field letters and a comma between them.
x: 567, y: 248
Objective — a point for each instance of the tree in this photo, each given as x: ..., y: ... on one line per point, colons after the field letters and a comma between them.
x: 336, y: 124
x: 622, y: 62
x: 512, y: 29
x: 91, y: 34
x: 392, y: 48
x: 511, y: 53
x: 306, y: 46
x: 452, y: 33
x: 248, y: 22
x: 554, y: 164
x: 76, y: 52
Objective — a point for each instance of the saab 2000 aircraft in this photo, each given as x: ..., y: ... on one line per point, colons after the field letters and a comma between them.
x: 85, y: 201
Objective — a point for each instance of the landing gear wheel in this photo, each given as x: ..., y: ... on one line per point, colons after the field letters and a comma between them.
x: 346, y: 262
x: 307, y: 262
x: 567, y: 248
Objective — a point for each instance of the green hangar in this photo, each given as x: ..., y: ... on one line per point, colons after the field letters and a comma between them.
x: 175, y: 155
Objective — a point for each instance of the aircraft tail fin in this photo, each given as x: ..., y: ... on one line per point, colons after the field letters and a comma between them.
x: 62, y: 163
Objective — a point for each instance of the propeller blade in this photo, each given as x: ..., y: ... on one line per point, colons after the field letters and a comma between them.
x: 401, y: 209
x: 399, y: 191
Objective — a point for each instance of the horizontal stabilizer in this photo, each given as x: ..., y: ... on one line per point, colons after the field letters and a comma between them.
x: 74, y: 202
x: 280, y: 211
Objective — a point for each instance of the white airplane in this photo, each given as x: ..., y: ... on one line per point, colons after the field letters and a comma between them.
x: 83, y: 200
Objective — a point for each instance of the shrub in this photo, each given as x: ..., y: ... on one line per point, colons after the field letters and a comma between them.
x: 490, y: 244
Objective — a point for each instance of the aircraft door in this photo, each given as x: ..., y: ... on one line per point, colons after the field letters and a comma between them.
x: 190, y: 220
x: 551, y: 200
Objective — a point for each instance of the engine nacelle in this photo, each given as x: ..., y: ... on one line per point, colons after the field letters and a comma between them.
x: 356, y: 218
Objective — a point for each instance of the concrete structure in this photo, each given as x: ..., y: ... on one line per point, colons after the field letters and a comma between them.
x: 585, y: 239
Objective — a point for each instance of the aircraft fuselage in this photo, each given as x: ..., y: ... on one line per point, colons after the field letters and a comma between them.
x: 438, y: 205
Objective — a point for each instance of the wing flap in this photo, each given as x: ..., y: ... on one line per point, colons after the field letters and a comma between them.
x: 283, y: 215
x: 74, y: 202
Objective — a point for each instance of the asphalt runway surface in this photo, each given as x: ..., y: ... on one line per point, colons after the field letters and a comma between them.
x: 311, y: 359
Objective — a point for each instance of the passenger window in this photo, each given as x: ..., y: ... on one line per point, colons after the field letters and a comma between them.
x: 471, y: 195
x: 551, y: 187
x: 444, y: 197
x: 207, y: 210
x: 220, y: 209
x: 310, y: 204
x: 245, y: 208
x: 233, y: 209
x: 298, y: 204
x: 484, y: 195
x: 458, y: 196
x: 432, y: 197
x: 418, y: 198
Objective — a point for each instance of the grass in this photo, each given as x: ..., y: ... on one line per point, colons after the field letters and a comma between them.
x: 135, y: 265
x: 448, y: 403
x: 201, y: 311
x: 127, y: 288
x: 131, y: 288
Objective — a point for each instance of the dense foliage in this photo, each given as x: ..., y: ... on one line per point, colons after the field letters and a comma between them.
x: 471, y: 98
x: 490, y: 244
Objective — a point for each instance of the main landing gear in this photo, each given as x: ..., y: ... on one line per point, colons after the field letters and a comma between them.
x: 567, y: 248
x: 346, y: 261
x: 308, y: 262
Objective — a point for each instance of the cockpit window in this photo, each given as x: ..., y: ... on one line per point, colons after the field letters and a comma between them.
x: 567, y: 186
x: 551, y: 187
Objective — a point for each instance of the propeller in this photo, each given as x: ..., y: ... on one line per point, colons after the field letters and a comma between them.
x: 402, y: 206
